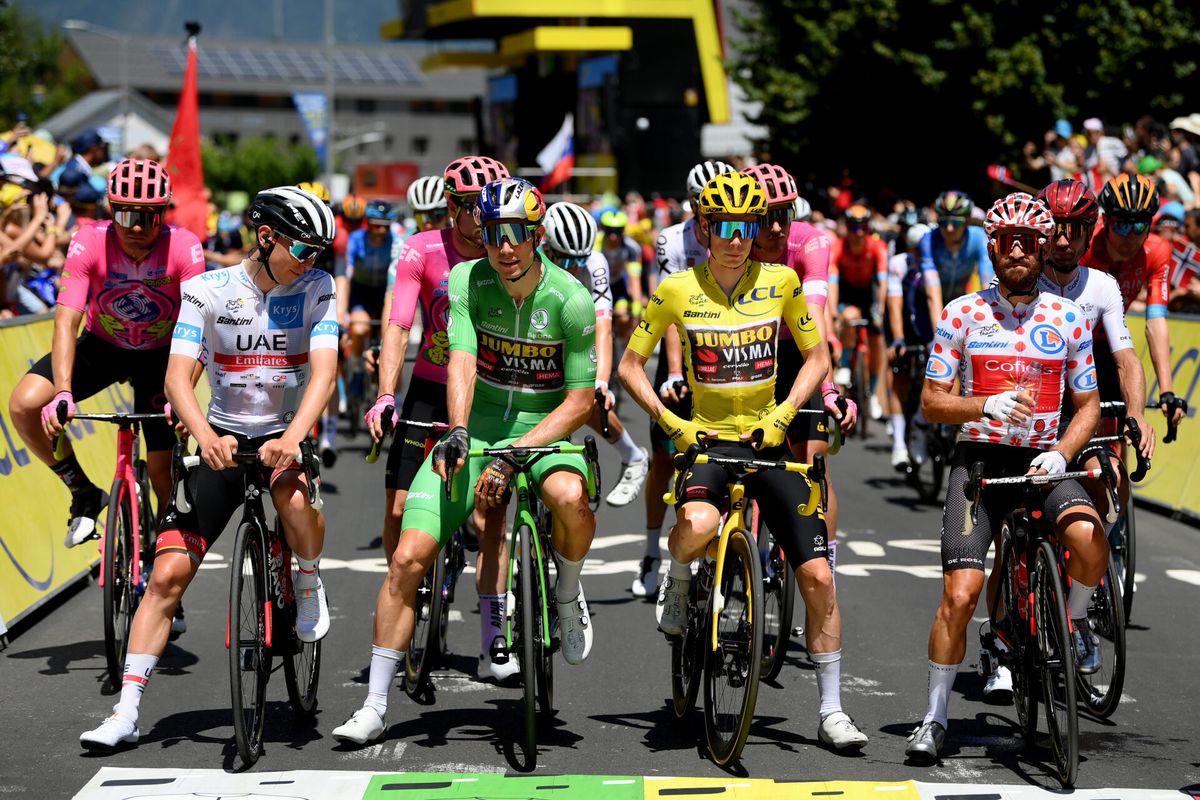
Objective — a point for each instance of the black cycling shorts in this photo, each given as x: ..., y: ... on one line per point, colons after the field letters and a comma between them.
x: 967, y: 549
x: 367, y: 298
x: 100, y: 364
x: 779, y: 494
x: 805, y: 427
x: 215, y: 496
x: 659, y: 441
x: 859, y: 297
x: 425, y: 401
x: 1108, y: 382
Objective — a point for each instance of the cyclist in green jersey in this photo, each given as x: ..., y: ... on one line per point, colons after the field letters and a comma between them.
x: 522, y: 371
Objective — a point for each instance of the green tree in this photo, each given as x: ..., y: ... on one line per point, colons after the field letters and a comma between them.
x: 34, y: 78
x: 257, y: 163
x: 920, y: 95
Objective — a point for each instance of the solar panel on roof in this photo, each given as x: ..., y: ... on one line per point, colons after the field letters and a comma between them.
x: 290, y: 65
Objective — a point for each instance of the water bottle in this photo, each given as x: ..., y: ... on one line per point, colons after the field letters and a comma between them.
x: 1029, y: 381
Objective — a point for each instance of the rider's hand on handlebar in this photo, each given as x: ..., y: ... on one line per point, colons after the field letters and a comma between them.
x: 50, y: 423
x: 1050, y: 462
x: 450, y: 453
x: 668, y: 391
x: 609, y: 397
x: 773, y: 426
x: 218, y: 452
x: 279, y: 453
x: 1148, y: 438
x: 1011, y: 407
x: 493, y: 483
x: 829, y: 398
x: 684, y: 433
x: 369, y: 360
x: 896, y: 350
x: 374, y: 416
x: 175, y: 422
x: 1173, y: 407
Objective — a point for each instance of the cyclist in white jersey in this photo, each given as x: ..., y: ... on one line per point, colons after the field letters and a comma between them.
x: 267, y: 329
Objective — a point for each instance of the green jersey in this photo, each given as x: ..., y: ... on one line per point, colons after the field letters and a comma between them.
x: 527, y: 355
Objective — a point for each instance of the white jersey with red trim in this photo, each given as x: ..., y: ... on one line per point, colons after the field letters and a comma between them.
x: 988, y: 343
x: 679, y: 248
x: 1099, y: 296
x: 255, y: 345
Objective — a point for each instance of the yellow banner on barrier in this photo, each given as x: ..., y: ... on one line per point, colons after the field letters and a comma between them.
x: 1174, y: 477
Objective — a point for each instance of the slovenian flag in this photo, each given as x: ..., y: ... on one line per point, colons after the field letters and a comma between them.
x: 557, y: 159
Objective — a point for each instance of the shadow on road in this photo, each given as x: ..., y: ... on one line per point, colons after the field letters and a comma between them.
x: 661, y: 730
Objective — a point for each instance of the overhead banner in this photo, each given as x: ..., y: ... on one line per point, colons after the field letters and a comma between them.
x: 314, y: 110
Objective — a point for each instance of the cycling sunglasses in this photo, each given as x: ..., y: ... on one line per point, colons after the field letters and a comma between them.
x: 727, y: 229
x: 951, y: 222
x: 494, y: 233
x: 465, y: 202
x: 1122, y: 227
x: 565, y: 261
x: 784, y: 216
x: 431, y: 217
x: 1029, y: 241
x: 128, y: 218
x: 858, y: 227
x: 1072, y: 230
x: 301, y: 251
x: 614, y: 231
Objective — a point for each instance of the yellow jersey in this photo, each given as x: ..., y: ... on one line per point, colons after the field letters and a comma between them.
x: 729, y: 342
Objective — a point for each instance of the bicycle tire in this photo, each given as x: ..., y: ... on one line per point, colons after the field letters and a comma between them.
x: 249, y: 659
x: 1056, y: 663
x: 927, y: 476
x: 1101, y: 692
x: 1128, y: 544
x: 687, y: 657
x: 422, y: 655
x: 779, y: 590
x: 544, y: 655
x: 1022, y: 667
x: 736, y: 663
x: 146, y: 515
x: 525, y: 633
x: 119, y: 603
x: 862, y: 389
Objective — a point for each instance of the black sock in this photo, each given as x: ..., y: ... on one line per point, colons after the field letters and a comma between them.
x: 72, y: 474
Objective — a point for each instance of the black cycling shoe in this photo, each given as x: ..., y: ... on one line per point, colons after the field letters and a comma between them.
x: 86, y: 505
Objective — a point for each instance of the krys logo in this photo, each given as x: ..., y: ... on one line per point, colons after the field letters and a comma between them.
x: 758, y: 294
x: 285, y: 312
x: 1047, y: 339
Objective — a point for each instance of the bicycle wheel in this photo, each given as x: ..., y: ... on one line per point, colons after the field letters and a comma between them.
x: 1015, y: 589
x: 544, y: 655
x: 119, y: 602
x: 1101, y: 691
x: 731, y: 672
x: 525, y: 632
x: 422, y: 653
x: 687, y: 657
x: 1056, y: 662
x: 779, y: 589
x: 1123, y: 540
x: 146, y: 516
x: 249, y: 660
x: 926, y: 477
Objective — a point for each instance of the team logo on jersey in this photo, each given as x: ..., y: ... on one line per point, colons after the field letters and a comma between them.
x: 233, y: 306
x: 286, y: 312
x: 697, y: 299
x: 540, y: 319
x: 938, y: 369
x: 325, y: 328
x: 1085, y: 382
x: 592, y: 353
x: 1047, y: 339
x: 197, y: 253
x: 187, y: 333
x: 218, y: 278
x: 759, y: 294
x: 726, y: 356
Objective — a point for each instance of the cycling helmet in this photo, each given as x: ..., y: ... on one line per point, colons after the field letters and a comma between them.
x: 614, y: 219
x: 732, y: 193
x: 803, y: 209
x: 858, y: 214
x: 381, y: 211
x: 953, y: 203
x: 510, y: 198
x: 470, y: 174
x: 354, y: 207
x: 704, y: 172
x: 295, y: 213
x: 1130, y: 197
x: 776, y: 183
x: 1018, y: 210
x: 915, y: 234
x: 139, y: 182
x: 426, y: 194
x: 316, y: 189
x: 570, y: 230
x: 1070, y: 201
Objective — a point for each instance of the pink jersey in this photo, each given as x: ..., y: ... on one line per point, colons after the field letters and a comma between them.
x: 131, y: 305
x: 988, y: 343
x: 422, y: 272
x: 808, y: 255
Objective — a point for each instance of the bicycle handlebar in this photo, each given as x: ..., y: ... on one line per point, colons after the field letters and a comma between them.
x: 1134, y: 434
x: 522, y: 459
x: 385, y: 420
x: 814, y: 472
x: 602, y: 406
x: 1173, y: 403
x: 181, y: 463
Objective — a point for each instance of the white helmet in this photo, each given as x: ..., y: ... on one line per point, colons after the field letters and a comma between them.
x: 570, y: 230
x: 915, y: 234
x: 704, y: 172
x: 426, y: 194
x: 297, y: 214
x: 803, y: 209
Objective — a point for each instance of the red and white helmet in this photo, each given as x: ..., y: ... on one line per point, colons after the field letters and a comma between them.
x: 469, y: 174
x: 139, y: 182
x: 1018, y: 210
x: 777, y: 184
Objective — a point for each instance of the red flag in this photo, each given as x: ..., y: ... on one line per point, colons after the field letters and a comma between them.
x: 183, y: 159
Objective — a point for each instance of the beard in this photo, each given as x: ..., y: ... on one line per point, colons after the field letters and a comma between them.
x: 1021, y: 282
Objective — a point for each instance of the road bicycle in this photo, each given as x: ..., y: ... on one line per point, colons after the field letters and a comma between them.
x: 127, y: 544
x: 860, y: 373
x: 721, y: 645
x: 261, y: 622
x: 531, y: 625
x: 927, y: 475
x: 1029, y: 613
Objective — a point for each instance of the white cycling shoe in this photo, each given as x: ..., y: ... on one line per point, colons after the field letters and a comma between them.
x: 500, y: 673
x: 633, y: 477
x: 312, y: 613
x: 114, y: 731
x: 575, y: 628
x: 671, y: 609
x: 364, y: 725
x: 839, y: 732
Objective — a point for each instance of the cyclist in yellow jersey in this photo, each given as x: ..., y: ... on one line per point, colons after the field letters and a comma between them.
x: 729, y: 311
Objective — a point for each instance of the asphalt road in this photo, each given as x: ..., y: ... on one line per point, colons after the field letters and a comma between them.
x: 614, y: 716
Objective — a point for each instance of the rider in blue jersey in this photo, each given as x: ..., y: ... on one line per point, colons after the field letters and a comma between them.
x: 957, y: 249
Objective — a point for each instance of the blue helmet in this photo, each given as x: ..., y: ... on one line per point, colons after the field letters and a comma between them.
x: 511, y: 198
x: 381, y: 211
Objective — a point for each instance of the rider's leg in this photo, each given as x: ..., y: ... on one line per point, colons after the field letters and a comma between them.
x: 804, y: 451
x: 847, y: 332
x: 565, y: 494
x: 897, y: 403
x: 304, y: 529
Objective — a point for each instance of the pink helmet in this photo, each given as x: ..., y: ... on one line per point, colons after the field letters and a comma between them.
x: 1019, y: 210
x: 777, y: 184
x: 469, y: 174
x: 139, y: 182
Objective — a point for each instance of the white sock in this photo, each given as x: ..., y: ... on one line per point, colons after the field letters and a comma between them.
x: 384, y: 663
x: 138, y: 667
x: 329, y: 429
x: 627, y: 448
x: 306, y: 575
x: 941, y: 681
x: 652, y: 537
x: 680, y: 570
x: 898, y: 431
x: 567, y: 586
x: 491, y: 619
x: 1078, y: 599
x: 829, y: 680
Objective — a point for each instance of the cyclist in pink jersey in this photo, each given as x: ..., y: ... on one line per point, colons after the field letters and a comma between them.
x: 422, y: 272
x: 125, y: 275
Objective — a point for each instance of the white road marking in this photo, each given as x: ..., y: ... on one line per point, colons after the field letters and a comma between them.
x: 618, y: 783
x: 866, y: 549
x: 601, y: 542
x: 1191, y: 576
x: 933, y: 571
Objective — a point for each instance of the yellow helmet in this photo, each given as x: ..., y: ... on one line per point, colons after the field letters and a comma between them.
x: 733, y: 193
x: 315, y: 188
